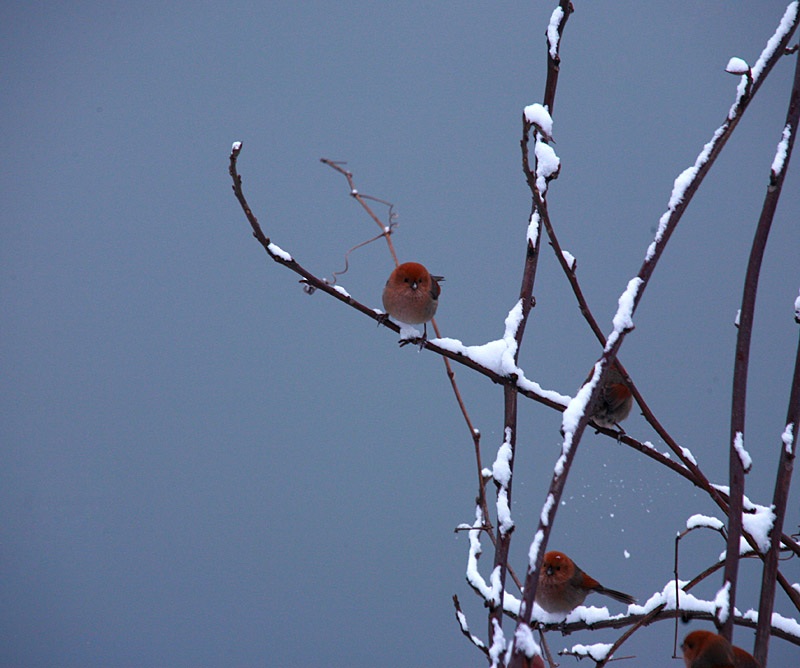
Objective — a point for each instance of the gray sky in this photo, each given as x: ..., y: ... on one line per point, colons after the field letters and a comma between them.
x: 203, y: 466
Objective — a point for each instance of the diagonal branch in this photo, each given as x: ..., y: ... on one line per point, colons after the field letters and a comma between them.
x: 685, y: 187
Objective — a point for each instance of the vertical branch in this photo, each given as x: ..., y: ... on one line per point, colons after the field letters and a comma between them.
x: 785, y: 464
x: 779, y: 500
x: 505, y: 526
x: 738, y: 459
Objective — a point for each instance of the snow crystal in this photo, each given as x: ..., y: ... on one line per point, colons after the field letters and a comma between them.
x: 737, y: 66
x: 277, y: 250
x: 538, y: 115
x: 744, y: 456
x: 788, y: 438
x: 552, y: 31
x: 780, y: 152
x: 570, y: 259
x: 626, y: 553
x: 704, y: 521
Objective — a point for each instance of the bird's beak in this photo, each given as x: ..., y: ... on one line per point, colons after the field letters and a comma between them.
x: 414, y: 285
x: 549, y: 570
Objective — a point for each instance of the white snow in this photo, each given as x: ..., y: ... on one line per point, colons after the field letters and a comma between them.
x: 598, y: 651
x: 797, y: 308
x: 474, y: 576
x: 780, y: 152
x: 788, y: 438
x: 785, y: 624
x: 548, y: 504
x: 341, y: 291
x: 738, y: 317
x: 626, y: 553
x: 533, y: 550
x: 498, y: 645
x: 533, y: 229
x: 576, y: 408
x: 277, y: 250
x: 409, y: 332
x: 524, y: 640
x: 785, y: 25
x: 688, y: 454
x: 462, y: 622
x: 623, y: 319
x: 744, y: 456
x: 498, y: 356
x: 758, y: 524
x: 538, y: 115
x: 679, y: 190
x: 236, y: 146
x: 737, y: 66
x: 501, y: 469
x: 698, y: 520
x: 552, y: 31
x: 570, y: 259
x: 547, y: 164
x: 722, y: 602
x: 504, y: 511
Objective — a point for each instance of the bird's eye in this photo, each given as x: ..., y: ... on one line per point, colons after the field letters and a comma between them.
x: 406, y: 280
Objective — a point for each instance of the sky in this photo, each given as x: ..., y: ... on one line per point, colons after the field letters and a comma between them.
x: 204, y: 466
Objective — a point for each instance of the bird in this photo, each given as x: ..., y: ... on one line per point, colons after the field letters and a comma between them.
x: 704, y: 649
x: 615, y: 400
x: 563, y: 586
x: 411, y: 295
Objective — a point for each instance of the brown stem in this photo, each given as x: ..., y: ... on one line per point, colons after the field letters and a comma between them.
x: 779, y: 501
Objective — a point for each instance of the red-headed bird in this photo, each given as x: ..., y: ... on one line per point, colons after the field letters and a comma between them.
x: 563, y: 586
x: 411, y: 295
x: 704, y: 649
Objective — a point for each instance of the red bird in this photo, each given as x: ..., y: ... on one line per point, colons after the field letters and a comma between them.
x: 703, y: 649
x: 411, y: 295
x: 614, y: 402
x: 563, y: 586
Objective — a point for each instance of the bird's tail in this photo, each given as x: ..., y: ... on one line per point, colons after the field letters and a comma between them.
x: 617, y: 595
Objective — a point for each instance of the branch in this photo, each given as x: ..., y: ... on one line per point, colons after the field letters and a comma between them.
x: 683, y: 191
x: 739, y: 460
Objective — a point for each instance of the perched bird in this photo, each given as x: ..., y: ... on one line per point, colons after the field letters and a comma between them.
x: 704, y: 649
x: 411, y: 295
x: 615, y: 400
x: 563, y: 586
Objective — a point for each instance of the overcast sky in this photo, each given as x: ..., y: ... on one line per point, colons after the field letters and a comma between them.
x: 204, y: 466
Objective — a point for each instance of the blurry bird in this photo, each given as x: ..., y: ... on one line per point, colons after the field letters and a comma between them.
x: 704, y: 649
x: 563, y: 586
x: 614, y: 402
x: 411, y: 295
